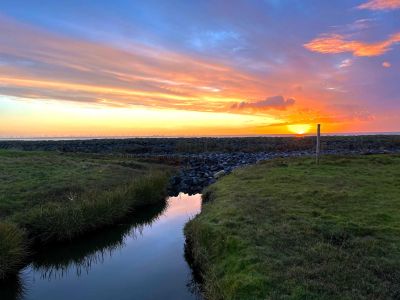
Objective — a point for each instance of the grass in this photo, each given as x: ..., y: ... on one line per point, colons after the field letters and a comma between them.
x: 12, y: 248
x: 288, y: 229
x: 54, y: 197
x: 89, y: 211
x: 31, y: 178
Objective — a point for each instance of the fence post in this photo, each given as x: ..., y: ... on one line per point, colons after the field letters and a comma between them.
x: 318, y: 146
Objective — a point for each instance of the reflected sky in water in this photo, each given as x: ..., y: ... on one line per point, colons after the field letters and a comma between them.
x: 142, y: 258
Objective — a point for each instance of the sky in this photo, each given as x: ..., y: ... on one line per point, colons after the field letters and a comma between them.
x: 72, y: 68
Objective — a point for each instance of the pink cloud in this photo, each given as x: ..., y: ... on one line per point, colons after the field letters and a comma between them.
x: 380, y: 5
x: 386, y: 64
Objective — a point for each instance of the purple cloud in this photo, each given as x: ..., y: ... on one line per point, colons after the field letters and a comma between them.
x: 274, y: 102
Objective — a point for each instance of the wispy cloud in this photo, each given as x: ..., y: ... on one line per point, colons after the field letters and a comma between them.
x: 350, y: 112
x: 61, y: 68
x: 274, y: 102
x: 356, y: 26
x: 336, y: 43
x: 380, y: 5
x: 58, y: 68
x: 345, y: 63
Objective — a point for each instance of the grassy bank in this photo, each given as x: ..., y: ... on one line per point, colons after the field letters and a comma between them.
x: 288, y: 229
x: 12, y: 248
x: 52, y: 197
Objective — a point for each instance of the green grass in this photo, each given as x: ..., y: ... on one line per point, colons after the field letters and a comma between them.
x: 53, y: 197
x: 288, y: 229
x: 31, y: 178
x: 90, y: 211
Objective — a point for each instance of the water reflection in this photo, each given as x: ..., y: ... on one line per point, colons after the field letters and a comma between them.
x: 126, y: 261
x: 58, y: 260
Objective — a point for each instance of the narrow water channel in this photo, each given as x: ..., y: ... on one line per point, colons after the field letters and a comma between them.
x: 142, y: 258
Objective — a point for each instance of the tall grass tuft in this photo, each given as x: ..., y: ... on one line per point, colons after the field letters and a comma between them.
x: 12, y: 248
x: 56, y: 221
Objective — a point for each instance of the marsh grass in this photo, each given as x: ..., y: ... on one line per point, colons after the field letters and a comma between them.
x: 12, y: 248
x: 50, y: 197
x: 28, y: 179
x: 288, y: 229
x: 90, y: 211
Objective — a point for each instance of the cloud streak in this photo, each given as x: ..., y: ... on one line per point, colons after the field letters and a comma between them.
x: 337, y: 43
x: 380, y: 5
x: 270, y: 103
x: 60, y: 68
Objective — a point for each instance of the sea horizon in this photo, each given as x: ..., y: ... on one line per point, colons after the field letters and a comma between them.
x: 71, y: 138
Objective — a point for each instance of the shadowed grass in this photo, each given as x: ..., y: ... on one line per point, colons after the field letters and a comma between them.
x: 288, y: 229
x: 12, y: 248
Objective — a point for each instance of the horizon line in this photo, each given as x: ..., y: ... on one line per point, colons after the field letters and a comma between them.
x: 99, y: 137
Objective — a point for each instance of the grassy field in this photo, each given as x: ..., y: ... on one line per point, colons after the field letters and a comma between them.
x: 288, y: 229
x: 48, y: 196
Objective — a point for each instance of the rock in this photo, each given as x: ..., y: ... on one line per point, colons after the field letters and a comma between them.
x: 175, y: 180
x: 214, y: 168
x: 219, y: 174
x: 187, y: 181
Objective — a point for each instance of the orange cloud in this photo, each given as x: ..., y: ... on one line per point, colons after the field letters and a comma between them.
x: 380, y: 5
x: 336, y: 43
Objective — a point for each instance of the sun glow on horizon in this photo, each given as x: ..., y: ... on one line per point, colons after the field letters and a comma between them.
x: 25, y: 119
x: 299, y: 128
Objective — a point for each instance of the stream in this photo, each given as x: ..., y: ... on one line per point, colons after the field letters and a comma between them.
x: 140, y: 258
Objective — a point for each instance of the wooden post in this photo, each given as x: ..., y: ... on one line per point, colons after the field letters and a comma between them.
x: 318, y: 146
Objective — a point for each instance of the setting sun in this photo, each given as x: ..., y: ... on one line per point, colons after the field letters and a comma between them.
x: 299, y: 128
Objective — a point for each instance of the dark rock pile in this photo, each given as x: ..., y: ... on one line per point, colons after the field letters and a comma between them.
x: 204, y: 169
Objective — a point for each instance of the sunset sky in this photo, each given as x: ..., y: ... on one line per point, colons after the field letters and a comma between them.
x: 143, y: 68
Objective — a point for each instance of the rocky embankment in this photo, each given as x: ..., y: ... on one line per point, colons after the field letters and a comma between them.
x: 201, y: 170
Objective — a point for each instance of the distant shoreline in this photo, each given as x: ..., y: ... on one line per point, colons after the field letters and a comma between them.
x: 176, y: 137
